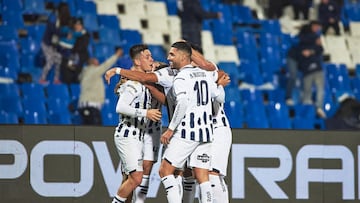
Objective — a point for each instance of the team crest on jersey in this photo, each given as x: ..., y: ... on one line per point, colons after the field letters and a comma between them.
x: 172, y: 72
x: 203, y: 158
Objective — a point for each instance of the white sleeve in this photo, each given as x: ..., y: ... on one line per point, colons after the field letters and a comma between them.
x: 179, y: 113
x: 182, y: 103
x: 221, y: 97
x: 165, y: 77
x: 126, y: 97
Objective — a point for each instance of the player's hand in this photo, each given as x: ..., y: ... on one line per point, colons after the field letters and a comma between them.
x: 153, y: 114
x: 109, y: 74
x: 224, y: 80
x: 166, y: 136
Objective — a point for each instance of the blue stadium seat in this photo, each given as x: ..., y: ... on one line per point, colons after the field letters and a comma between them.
x: 280, y: 123
x: 8, y: 33
x: 58, y: 112
x: 277, y: 110
x: 35, y: 105
x: 352, y: 12
x: 267, y: 39
x: 33, y: 91
x: 165, y: 116
x: 74, y: 91
x: 110, y: 36
x: 35, y: 7
x: 60, y: 91
x: 8, y: 72
x: 303, y: 124
x: 8, y: 118
x: 254, y: 111
x: 9, y: 52
x: 232, y: 94
x: 232, y: 70
x: 242, y: 14
x: 355, y: 83
x: 108, y: 114
x: 12, y: 104
x: 271, y: 26
x: 34, y: 118
x: 9, y: 90
x: 257, y: 122
x: 225, y: 36
x: 158, y: 53
x: 235, y: 114
x: 276, y: 95
x: 90, y: 22
x: 109, y: 21
x: 250, y: 72
x: 29, y: 46
x: 12, y: 5
x: 305, y: 111
x: 271, y: 60
x: 103, y: 50
x: 36, y: 31
x: 171, y: 7
x: 130, y: 37
x: 88, y: 7
x: 251, y: 96
x: 12, y: 18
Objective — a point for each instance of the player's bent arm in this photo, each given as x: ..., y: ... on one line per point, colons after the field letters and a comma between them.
x: 123, y: 106
x: 156, y: 93
x: 132, y: 75
x: 201, y: 61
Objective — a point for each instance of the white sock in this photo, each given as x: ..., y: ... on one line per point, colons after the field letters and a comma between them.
x: 118, y: 199
x: 189, y: 189
x: 180, y: 182
x: 172, y: 189
x: 141, y: 190
x: 220, y: 189
x: 206, y: 195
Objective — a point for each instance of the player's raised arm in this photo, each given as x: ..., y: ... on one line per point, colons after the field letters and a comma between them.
x: 132, y: 75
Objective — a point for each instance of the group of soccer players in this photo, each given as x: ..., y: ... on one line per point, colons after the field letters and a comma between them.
x: 197, y: 141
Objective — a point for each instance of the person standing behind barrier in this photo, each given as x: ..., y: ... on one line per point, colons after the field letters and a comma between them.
x: 310, y: 64
x: 134, y: 107
x: 192, y: 14
x: 57, y: 21
x: 92, y: 90
x: 78, y: 54
x: 301, y: 6
x: 329, y: 16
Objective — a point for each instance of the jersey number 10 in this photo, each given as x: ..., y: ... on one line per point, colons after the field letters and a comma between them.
x: 201, y: 88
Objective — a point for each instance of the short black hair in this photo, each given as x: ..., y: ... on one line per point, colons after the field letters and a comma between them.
x: 137, y: 49
x: 183, y: 46
x: 315, y: 22
x: 197, y: 48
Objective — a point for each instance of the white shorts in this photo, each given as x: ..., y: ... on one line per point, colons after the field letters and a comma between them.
x: 152, y: 145
x: 130, y: 150
x: 220, y: 149
x: 179, y: 150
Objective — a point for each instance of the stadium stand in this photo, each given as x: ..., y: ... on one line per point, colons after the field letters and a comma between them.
x: 250, y: 48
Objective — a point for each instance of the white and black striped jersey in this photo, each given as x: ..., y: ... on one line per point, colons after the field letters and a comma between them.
x: 219, y: 117
x: 195, y: 87
x: 134, y: 100
x: 165, y: 78
x: 153, y: 126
